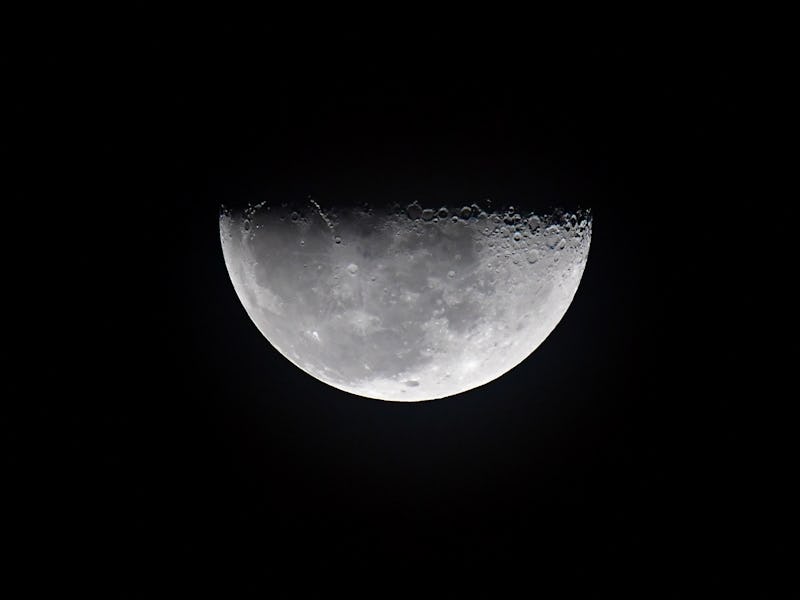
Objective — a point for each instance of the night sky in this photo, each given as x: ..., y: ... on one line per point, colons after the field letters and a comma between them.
x: 172, y: 450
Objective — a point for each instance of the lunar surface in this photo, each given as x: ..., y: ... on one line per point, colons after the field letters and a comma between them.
x: 407, y: 304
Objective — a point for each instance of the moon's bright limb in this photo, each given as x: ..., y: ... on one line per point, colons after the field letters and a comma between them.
x: 411, y: 304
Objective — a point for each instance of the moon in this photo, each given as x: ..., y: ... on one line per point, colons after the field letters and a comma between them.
x: 407, y: 304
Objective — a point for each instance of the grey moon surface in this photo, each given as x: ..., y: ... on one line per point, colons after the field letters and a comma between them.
x: 410, y: 304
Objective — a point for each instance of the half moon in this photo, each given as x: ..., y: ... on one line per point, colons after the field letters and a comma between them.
x: 409, y: 304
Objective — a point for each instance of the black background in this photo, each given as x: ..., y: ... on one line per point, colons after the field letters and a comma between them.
x: 173, y: 450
